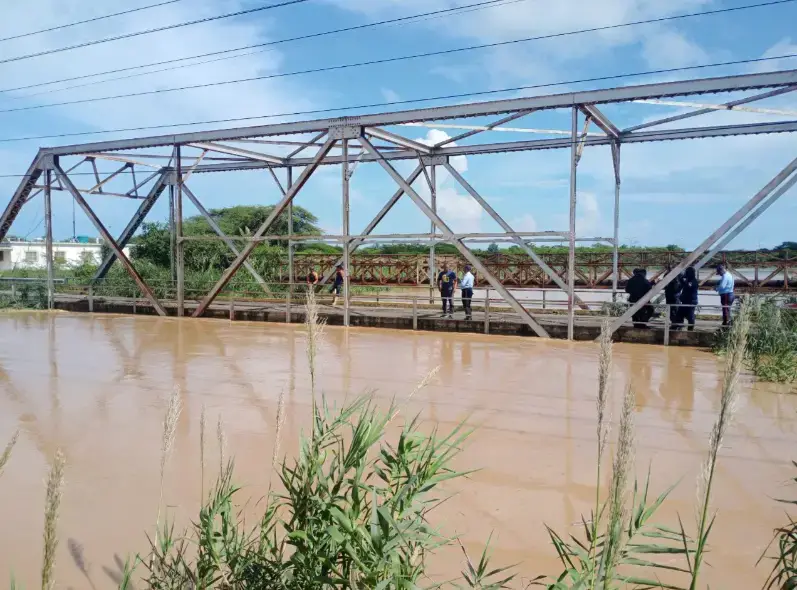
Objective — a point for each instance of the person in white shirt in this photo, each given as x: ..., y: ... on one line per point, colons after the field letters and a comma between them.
x: 725, y: 289
x: 466, y: 285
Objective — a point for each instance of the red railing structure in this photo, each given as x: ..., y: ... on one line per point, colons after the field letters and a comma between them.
x: 753, y: 270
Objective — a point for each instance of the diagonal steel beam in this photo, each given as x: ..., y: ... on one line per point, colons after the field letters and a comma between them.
x: 133, y: 225
x: 97, y: 188
x: 729, y: 105
x: 493, y: 125
x: 278, y: 209
x: 506, y: 227
x: 310, y: 143
x: 230, y: 244
x: 707, y: 243
x: 583, y: 141
x: 449, y: 235
x: 108, y: 239
x: 234, y: 151
x: 601, y: 120
x: 750, y: 219
x: 398, y: 140
x: 137, y: 186
x: 20, y: 197
x: 374, y: 222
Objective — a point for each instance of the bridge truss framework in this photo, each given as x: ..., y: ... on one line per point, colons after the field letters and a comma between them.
x: 351, y: 141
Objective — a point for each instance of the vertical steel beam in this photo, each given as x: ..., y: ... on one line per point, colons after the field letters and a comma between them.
x: 172, y: 238
x: 345, y: 216
x: 291, y: 269
x: 278, y: 209
x: 178, y: 230
x: 48, y: 229
x: 107, y: 237
x: 226, y: 239
x: 375, y: 221
x: 433, y: 230
x: 134, y: 224
x: 707, y: 243
x: 449, y: 236
x: 507, y: 228
x: 750, y: 219
x: 616, y: 247
x: 571, y: 256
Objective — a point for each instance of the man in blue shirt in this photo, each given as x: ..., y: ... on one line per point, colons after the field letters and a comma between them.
x: 467, y: 292
x: 447, y: 282
x: 725, y: 289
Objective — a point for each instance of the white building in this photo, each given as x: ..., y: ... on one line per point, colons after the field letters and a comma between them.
x: 31, y: 255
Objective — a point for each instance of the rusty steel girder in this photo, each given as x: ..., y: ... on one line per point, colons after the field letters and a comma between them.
x: 753, y: 270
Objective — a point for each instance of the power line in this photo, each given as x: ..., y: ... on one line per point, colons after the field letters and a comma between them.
x: 150, y: 31
x: 90, y: 20
x: 369, y: 62
x: 407, y: 101
x: 478, y: 5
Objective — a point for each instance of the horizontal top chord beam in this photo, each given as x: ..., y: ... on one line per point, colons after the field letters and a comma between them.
x: 553, y: 101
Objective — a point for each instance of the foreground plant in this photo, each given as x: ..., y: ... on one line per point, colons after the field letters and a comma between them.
x: 771, y: 348
x: 782, y: 550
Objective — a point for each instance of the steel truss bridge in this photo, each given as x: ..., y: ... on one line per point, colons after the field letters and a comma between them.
x: 294, y: 151
x: 756, y: 271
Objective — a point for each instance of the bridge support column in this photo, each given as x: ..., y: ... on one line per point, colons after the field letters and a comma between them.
x: 571, y: 258
x: 616, y: 245
x: 345, y: 216
x: 48, y: 225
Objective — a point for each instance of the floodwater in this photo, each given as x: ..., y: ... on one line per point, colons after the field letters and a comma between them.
x: 97, y: 387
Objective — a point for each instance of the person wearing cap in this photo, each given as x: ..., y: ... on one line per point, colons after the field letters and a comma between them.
x: 337, y: 285
x: 447, y: 282
x: 466, y: 285
x: 725, y: 289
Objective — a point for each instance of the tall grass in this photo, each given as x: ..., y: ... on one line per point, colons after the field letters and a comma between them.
x: 771, y: 348
x: 55, y: 487
x: 8, y: 450
x: 737, y: 343
x: 782, y: 550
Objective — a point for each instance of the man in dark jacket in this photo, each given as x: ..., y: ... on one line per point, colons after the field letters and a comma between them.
x: 689, y: 287
x: 672, y: 294
x: 636, y: 287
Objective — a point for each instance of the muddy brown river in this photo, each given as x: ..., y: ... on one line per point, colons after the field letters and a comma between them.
x: 97, y: 387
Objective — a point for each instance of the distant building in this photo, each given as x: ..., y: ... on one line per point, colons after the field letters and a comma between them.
x: 21, y: 254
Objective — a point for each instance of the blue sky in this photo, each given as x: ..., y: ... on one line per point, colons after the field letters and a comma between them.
x: 672, y: 192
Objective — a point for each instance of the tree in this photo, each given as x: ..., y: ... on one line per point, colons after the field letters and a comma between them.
x: 787, y: 246
x: 493, y: 248
x: 154, y: 243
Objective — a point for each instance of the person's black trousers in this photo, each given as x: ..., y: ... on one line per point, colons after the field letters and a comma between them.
x: 726, y: 299
x: 467, y: 295
x: 448, y: 301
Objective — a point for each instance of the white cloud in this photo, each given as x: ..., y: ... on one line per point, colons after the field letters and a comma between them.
x: 782, y: 47
x: 525, y: 223
x: 671, y: 49
x: 390, y: 95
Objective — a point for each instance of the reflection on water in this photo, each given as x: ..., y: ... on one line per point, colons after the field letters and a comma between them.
x: 97, y: 387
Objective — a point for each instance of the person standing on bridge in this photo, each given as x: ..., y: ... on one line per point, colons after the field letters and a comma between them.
x: 447, y: 282
x: 466, y: 285
x: 672, y: 293
x: 725, y: 289
x: 636, y: 287
x: 312, y: 279
x: 688, y: 307
x: 337, y: 285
